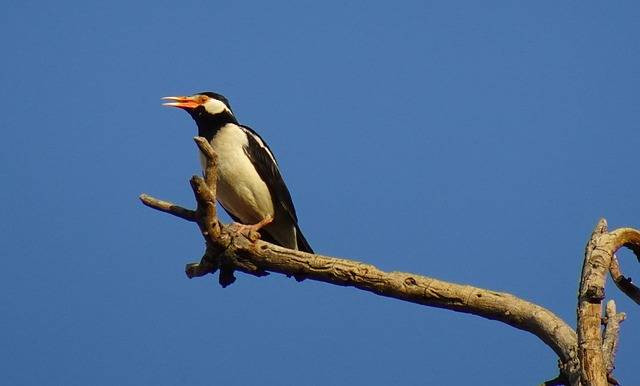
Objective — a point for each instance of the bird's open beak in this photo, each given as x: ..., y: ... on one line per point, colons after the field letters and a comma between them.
x: 182, y: 102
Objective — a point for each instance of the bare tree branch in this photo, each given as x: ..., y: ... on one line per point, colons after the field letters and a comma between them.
x: 626, y: 237
x: 599, y: 258
x: 591, y: 292
x: 611, y: 337
x: 623, y: 283
x: 211, y: 166
x: 630, y: 238
x: 228, y: 251
x: 581, y: 355
x: 168, y: 207
x: 413, y: 288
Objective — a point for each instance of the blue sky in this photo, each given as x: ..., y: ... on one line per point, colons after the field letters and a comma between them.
x: 473, y: 142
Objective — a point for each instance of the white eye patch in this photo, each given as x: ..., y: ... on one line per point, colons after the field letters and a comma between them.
x: 214, y: 106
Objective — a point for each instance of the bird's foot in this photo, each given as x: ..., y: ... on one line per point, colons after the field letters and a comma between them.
x: 251, y: 231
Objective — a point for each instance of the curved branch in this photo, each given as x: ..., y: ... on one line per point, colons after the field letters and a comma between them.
x: 228, y: 250
x: 630, y: 238
x: 622, y: 282
x: 413, y: 288
x: 626, y: 237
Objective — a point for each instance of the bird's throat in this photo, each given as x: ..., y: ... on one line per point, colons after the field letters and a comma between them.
x: 209, y: 125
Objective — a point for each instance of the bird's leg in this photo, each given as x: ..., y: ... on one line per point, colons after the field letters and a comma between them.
x: 252, y: 230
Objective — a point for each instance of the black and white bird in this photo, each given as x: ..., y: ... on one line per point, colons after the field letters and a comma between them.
x: 250, y: 187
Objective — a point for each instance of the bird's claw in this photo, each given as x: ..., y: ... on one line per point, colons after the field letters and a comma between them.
x: 251, y: 231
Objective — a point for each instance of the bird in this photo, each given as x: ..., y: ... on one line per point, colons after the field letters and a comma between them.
x: 250, y: 187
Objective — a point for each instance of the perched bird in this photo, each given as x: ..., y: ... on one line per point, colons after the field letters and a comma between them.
x: 250, y: 187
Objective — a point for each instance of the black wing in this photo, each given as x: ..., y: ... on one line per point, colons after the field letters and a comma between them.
x: 267, y: 167
x: 303, y: 244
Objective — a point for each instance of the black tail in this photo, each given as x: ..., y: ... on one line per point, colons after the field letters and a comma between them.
x: 303, y: 244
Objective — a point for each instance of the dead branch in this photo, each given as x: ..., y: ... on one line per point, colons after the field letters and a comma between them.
x: 599, y: 258
x: 167, y: 207
x: 622, y: 282
x: 590, y: 295
x: 611, y: 336
x: 229, y: 251
x: 630, y: 238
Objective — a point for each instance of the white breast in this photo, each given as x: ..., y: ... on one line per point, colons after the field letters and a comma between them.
x: 240, y: 189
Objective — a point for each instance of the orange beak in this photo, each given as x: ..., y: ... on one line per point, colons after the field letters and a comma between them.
x: 183, y: 102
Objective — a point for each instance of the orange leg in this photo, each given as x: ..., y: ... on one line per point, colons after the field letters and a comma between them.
x: 249, y: 229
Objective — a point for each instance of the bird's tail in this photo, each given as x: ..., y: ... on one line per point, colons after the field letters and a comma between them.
x: 303, y: 244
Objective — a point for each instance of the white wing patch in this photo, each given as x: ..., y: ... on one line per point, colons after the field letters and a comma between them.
x: 261, y: 143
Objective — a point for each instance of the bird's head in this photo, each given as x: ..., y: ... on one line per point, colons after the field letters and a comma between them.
x: 203, y: 107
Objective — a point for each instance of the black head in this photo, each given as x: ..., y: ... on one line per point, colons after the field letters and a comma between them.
x: 216, y: 96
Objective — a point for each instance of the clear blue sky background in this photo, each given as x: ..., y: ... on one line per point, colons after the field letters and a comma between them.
x: 470, y: 141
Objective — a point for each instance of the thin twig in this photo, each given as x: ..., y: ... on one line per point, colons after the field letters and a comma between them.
x: 168, y: 207
x: 611, y: 335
